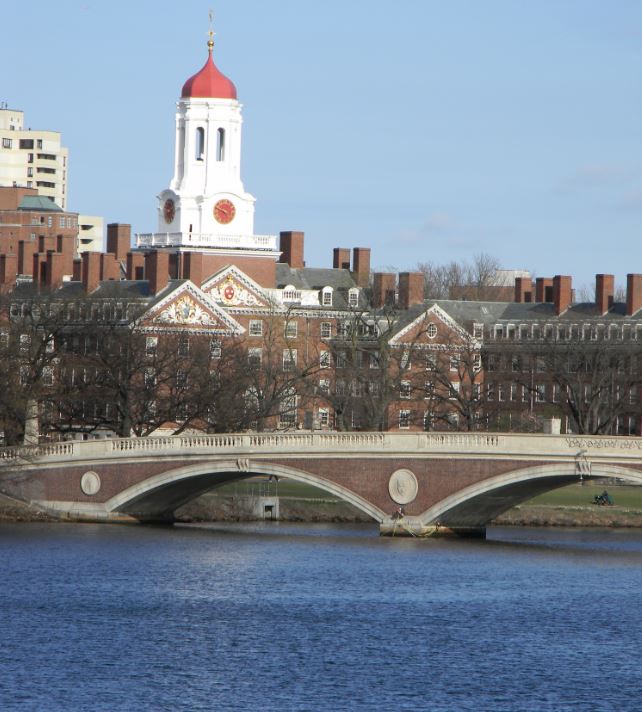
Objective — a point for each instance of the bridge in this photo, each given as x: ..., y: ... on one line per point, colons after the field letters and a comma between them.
x: 418, y: 484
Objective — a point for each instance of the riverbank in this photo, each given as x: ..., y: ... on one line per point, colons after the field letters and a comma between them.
x: 255, y: 500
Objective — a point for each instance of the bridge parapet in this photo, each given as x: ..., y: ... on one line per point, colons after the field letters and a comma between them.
x: 488, y: 445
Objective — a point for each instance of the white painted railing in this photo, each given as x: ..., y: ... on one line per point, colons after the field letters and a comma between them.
x: 193, y: 239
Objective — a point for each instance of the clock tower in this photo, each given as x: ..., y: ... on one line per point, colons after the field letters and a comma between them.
x: 206, y: 208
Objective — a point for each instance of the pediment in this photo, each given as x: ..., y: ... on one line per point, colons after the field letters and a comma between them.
x: 233, y: 288
x: 433, y: 327
x: 187, y: 308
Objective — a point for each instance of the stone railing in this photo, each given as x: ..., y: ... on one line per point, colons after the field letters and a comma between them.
x: 334, y: 444
x: 192, y: 239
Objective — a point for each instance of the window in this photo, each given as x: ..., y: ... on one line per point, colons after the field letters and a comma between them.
x: 516, y: 364
x: 215, y: 348
x: 513, y: 391
x: 431, y: 362
x: 428, y: 420
x: 501, y: 392
x: 324, y: 359
x: 477, y: 363
x: 478, y: 331
x: 324, y: 385
x: 220, y: 145
x: 50, y: 345
x: 404, y: 419
x: 431, y: 331
x: 290, y: 329
x: 49, y: 221
x: 181, y: 379
x: 287, y: 410
x: 455, y: 387
x: 30, y: 158
x: 289, y: 359
x: 290, y: 294
x: 26, y: 143
x: 326, y: 297
x: 255, y: 357
x: 540, y: 393
x: 324, y: 417
x: 30, y: 172
x: 47, y: 376
x: 150, y: 378
x: 326, y: 330
x: 24, y: 375
x: 454, y: 363
x: 556, y: 393
x: 183, y: 346
x: 39, y: 143
x: 200, y: 143
x: 540, y: 364
x: 6, y: 143
x: 405, y: 360
x: 405, y: 389
x: 61, y: 222
x: 429, y: 389
x: 256, y: 327
x: 25, y: 343
x: 353, y: 297
x: 374, y: 360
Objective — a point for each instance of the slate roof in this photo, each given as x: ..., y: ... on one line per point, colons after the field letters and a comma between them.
x: 313, y: 278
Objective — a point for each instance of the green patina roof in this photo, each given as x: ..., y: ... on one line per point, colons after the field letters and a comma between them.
x: 39, y: 202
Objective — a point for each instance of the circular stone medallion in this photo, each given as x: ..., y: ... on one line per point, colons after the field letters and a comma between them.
x: 90, y: 483
x: 403, y: 486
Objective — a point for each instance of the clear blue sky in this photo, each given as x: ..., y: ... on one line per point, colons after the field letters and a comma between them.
x: 428, y: 130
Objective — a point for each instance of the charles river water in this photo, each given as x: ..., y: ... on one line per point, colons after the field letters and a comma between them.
x: 317, y: 617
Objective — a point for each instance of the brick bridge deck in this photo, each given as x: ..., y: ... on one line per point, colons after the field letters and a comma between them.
x: 411, y: 483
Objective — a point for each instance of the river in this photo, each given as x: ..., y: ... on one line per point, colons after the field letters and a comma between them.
x: 327, y: 617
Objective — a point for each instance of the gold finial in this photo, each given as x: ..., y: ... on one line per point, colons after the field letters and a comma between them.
x: 210, y: 42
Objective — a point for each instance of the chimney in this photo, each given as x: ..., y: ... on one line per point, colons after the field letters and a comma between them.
x: 383, y: 292
x: 604, y: 292
x: 523, y: 289
x: 77, y: 274
x: 135, y: 265
x: 361, y: 266
x: 90, y: 271
x: 291, y: 246
x: 55, y: 269
x: 119, y: 238
x: 411, y: 289
x: 39, y: 268
x: 341, y: 258
x: 543, y: 290
x: 562, y: 292
x: 633, y: 293
x: 8, y: 269
x: 25, y: 257
x: 193, y: 267
x: 157, y: 270
x: 109, y: 267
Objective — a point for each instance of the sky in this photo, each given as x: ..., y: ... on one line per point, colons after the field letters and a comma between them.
x: 424, y: 129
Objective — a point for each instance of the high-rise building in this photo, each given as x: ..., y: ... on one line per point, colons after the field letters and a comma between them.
x: 32, y: 159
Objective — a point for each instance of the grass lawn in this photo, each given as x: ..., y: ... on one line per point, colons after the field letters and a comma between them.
x: 579, y: 495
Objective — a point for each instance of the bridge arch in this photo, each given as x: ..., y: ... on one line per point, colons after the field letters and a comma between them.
x: 478, y: 504
x: 157, y: 497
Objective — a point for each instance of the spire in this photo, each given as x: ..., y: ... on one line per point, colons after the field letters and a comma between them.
x: 210, y: 42
x: 209, y: 82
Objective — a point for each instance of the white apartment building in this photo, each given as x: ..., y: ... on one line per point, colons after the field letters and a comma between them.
x: 35, y: 159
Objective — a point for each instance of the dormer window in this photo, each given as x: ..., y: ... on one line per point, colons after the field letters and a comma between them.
x: 290, y: 294
x: 353, y: 297
x: 326, y: 297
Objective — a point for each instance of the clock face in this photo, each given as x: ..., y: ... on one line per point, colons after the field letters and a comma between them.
x: 169, y: 210
x: 224, y: 211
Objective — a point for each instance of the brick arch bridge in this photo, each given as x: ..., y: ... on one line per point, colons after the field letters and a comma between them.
x: 411, y: 483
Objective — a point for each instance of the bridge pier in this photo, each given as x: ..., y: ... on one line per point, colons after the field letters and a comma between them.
x: 412, y: 526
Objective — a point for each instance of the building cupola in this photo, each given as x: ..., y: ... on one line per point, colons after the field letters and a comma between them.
x: 209, y: 82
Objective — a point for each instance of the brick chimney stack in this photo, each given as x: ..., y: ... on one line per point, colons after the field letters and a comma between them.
x: 633, y: 293
x: 341, y: 258
x: 361, y: 266
x: 193, y: 267
x: 604, y: 292
x: 54, y: 270
x: 8, y: 270
x: 562, y: 292
x: 157, y: 270
x: 523, y: 289
x: 90, y: 271
x: 543, y: 289
x: 383, y: 292
x: 291, y: 246
x: 135, y: 265
x: 119, y: 238
x: 411, y: 289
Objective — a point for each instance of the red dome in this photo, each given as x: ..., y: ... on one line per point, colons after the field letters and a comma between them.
x: 209, y: 83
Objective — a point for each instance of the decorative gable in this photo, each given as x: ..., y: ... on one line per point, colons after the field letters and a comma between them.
x: 232, y: 288
x: 433, y: 328
x: 187, y: 308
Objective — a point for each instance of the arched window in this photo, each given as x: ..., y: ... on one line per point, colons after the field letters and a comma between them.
x: 220, y: 145
x: 200, y: 143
